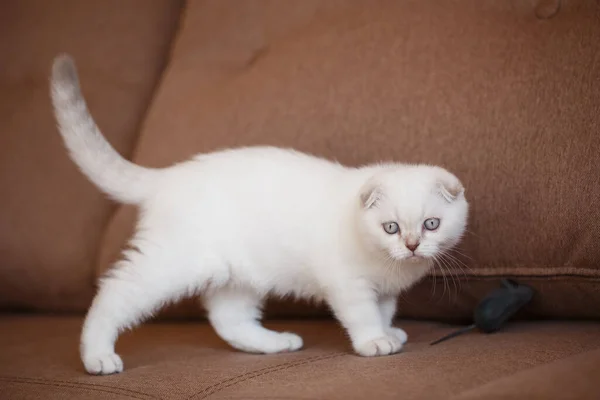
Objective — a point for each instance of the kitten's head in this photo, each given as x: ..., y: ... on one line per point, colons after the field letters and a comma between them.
x: 412, y: 213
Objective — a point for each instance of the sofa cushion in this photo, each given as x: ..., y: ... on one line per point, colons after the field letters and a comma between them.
x: 39, y: 360
x: 51, y: 216
x: 503, y: 94
x: 565, y: 378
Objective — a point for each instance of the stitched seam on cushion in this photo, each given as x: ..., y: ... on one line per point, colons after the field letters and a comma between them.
x: 210, y: 390
x: 79, y: 385
x: 281, y: 367
x: 533, y: 272
x: 62, y: 385
x: 265, y: 373
x: 546, y: 278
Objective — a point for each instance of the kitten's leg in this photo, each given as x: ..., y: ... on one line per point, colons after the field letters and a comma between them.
x: 357, y: 309
x: 387, y: 307
x: 131, y: 292
x: 235, y: 315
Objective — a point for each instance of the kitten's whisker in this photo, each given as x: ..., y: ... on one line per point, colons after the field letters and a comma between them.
x: 470, y: 232
x: 453, y: 266
x: 462, y: 254
x: 450, y: 272
x: 458, y: 263
x: 441, y: 268
x: 455, y: 277
x: 447, y: 253
x: 434, y: 278
x: 455, y: 250
x: 389, y: 264
x: 444, y: 279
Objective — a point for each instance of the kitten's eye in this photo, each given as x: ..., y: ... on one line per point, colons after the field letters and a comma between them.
x: 391, y: 227
x: 431, y: 224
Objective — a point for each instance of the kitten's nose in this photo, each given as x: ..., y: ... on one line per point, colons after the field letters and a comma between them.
x: 412, y: 246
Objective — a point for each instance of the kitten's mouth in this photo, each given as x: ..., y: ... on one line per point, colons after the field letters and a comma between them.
x: 413, y: 258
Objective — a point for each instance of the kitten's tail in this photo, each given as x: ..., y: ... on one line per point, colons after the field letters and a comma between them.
x: 98, y: 160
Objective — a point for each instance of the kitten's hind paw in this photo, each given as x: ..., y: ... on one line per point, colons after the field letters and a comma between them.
x: 268, y: 342
x: 381, y: 346
x: 104, y: 364
x: 284, y: 342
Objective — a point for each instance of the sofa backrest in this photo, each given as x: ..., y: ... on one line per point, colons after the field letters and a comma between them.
x: 505, y: 94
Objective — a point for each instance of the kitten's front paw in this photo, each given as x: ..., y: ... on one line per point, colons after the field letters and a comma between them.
x: 268, y: 342
x: 104, y: 364
x: 399, y: 333
x: 382, y: 346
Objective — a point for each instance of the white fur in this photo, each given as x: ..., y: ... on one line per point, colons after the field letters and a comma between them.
x: 239, y: 225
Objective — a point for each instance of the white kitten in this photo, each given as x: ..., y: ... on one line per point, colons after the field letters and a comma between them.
x: 238, y: 225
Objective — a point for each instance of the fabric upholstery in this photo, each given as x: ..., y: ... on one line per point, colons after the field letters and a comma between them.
x: 51, y: 217
x: 503, y: 93
x: 567, y: 379
x: 188, y: 361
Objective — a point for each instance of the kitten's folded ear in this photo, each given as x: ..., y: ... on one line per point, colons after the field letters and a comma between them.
x: 370, y: 194
x: 449, y: 186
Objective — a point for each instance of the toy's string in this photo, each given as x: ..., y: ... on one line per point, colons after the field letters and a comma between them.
x: 454, y: 334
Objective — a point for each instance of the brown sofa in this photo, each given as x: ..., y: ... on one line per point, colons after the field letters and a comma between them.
x: 506, y: 94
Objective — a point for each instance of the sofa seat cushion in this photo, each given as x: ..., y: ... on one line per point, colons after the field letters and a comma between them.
x: 39, y: 360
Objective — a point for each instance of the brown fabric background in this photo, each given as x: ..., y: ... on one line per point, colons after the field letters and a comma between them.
x: 51, y: 217
x: 568, y: 379
x: 504, y: 98
x: 188, y: 361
